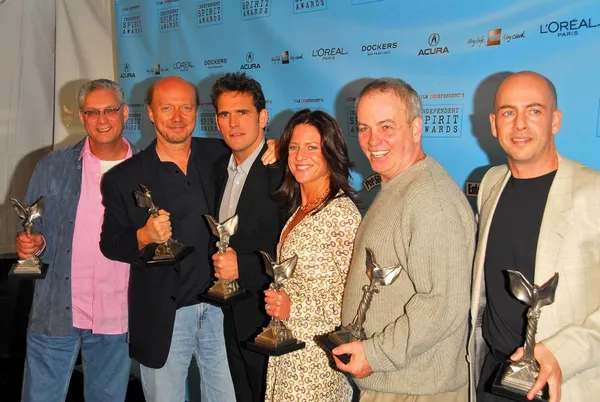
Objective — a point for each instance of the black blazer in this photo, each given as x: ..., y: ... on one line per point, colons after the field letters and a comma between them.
x: 261, y: 219
x: 151, y: 306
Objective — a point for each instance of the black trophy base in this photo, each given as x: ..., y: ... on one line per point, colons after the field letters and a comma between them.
x: 501, y: 388
x: 327, y: 343
x: 220, y: 301
x: 28, y: 275
x: 274, y: 351
x: 154, y: 262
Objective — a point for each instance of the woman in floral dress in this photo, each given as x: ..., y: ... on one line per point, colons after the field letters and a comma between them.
x: 321, y: 233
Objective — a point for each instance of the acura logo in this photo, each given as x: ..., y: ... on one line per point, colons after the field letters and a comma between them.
x: 434, y: 39
x: 127, y: 67
x: 249, y: 57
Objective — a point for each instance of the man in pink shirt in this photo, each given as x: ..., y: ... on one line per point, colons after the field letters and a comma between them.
x: 82, y: 302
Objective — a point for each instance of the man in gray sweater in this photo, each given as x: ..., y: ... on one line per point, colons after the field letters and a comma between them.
x: 417, y: 327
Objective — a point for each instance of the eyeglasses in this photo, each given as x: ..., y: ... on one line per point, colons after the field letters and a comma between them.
x: 108, y: 112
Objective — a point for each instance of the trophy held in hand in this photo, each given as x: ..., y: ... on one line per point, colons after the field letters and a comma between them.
x: 515, y: 379
x: 31, y: 267
x: 355, y: 332
x: 166, y: 253
x: 277, y: 339
x: 224, y: 292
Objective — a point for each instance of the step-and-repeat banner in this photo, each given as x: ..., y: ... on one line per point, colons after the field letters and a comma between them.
x: 320, y: 53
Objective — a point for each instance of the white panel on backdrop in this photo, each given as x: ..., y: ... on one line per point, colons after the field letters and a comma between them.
x: 26, y: 107
x: 84, y: 51
x: 319, y: 54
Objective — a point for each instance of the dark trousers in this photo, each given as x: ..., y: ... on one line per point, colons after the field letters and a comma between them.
x: 488, y: 374
x: 248, y: 369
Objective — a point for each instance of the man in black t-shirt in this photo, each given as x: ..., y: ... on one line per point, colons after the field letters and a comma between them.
x: 539, y: 214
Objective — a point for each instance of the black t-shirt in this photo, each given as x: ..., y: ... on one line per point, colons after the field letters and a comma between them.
x: 187, y: 205
x: 512, y: 244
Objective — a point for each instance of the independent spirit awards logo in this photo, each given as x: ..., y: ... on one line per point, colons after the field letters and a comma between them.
x: 255, y: 9
x: 131, y: 21
x: 434, y: 46
x: 564, y: 29
x: 209, y: 12
x: 168, y: 18
x: 351, y: 120
x: 251, y: 63
x: 306, y: 6
x: 442, y: 121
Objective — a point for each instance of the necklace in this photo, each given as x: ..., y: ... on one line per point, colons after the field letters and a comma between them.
x: 311, y: 205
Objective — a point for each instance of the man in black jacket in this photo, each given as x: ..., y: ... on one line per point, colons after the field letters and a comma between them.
x: 167, y: 324
x: 245, y: 187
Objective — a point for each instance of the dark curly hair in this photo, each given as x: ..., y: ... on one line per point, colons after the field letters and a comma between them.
x: 335, y: 153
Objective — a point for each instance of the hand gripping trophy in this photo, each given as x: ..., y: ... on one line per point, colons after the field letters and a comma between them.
x: 515, y: 379
x: 170, y: 251
x: 31, y: 267
x: 224, y: 292
x: 277, y: 339
x: 378, y: 277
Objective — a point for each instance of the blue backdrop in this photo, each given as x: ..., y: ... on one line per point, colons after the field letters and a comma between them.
x: 320, y: 53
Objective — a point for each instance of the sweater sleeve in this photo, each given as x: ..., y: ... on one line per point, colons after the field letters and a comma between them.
x: 440, y: 255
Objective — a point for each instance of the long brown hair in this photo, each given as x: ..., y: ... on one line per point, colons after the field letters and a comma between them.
x: 335, y: 153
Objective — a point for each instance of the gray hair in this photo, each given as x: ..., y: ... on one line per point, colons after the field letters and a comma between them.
x: 101, y: 83
x: 402, y: 89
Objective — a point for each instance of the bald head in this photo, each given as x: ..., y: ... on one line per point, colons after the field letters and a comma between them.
x: 524, y: 121
x: 169, y: 82
x: 527, y: 80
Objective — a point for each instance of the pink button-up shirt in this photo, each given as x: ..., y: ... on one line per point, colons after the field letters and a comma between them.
x: 99, y: 286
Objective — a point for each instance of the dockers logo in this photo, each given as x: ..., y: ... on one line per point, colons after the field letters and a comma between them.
x: 434, y: 49
x: 329, y: 53
x: 250, y: 64
x: 378, y: 49
x: 127, y: 73
x: 183, y: 66
x: 567, y: 28
x: 255, y: 9
x: 215, y: 63
x: 209, y: 13
x: 306, y: 6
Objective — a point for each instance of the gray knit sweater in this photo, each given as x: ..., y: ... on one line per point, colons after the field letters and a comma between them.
x: 417, y: 327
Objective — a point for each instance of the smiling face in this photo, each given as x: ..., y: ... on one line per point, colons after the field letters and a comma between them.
x: 524, y: 121
x: 173, y: 110
x: 106, y: 128
x: 241, y: 125
x: 305, y: 158
x: 388, y: 140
